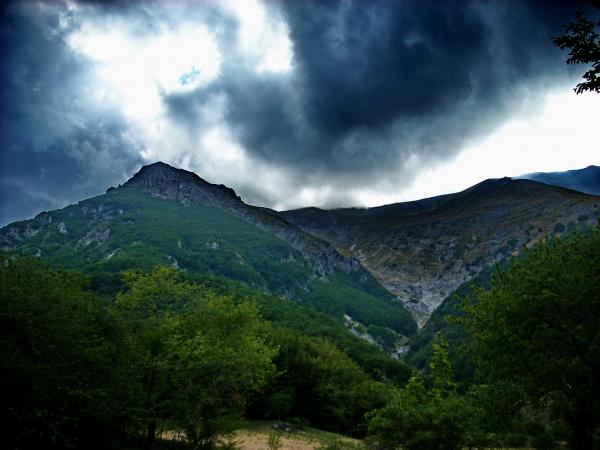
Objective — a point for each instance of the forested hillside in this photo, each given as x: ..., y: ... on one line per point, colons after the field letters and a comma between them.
x: 168, y: 307
x: 195, y: 354
x: 299, y: 225
x: 165, y: 216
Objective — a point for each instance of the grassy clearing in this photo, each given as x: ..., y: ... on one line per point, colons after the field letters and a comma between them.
x: 255, y: 436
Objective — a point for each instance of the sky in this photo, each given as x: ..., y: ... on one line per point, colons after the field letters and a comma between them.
x: 292, y: 104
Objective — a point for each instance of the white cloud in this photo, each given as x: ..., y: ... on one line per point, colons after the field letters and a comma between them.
x: 563, y: 136
x: 135, y: 70
x: 263, y: 36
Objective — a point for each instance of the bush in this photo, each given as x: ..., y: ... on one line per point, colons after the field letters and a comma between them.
x: 274, y: 441
x: 427, y: 414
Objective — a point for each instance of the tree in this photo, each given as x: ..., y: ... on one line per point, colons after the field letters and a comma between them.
x: 150, y: 312
x: 441, y: 370
x: 58, y: 353
x: 195, y: 356
x: 220, y: 358
x: 583, y: 43
x: 539, y: 327
x: 428, y: 413
x: 319, y: 383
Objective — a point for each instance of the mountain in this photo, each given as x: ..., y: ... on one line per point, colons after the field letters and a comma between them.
x: 422, y: 251
x: 169, y: 216
x: 371, y: 264
x: 583, y: 180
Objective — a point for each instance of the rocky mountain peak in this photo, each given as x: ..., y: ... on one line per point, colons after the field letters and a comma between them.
x: 164, y: 181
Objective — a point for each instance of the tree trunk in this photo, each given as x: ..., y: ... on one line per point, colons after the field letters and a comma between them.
x: 583, y: 432
x: 150, y: 437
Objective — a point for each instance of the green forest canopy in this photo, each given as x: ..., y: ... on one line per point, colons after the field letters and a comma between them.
x: 195, y: 353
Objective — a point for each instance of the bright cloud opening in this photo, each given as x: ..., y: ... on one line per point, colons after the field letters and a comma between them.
x: 556, y: 139
x: 135, y: 71
x: 263, y: 38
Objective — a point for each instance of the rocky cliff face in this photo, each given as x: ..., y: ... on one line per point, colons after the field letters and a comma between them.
x: 323, y: 256
x: 166, y: 182
x: 422, y: 251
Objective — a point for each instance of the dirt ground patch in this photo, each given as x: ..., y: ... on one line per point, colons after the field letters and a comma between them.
x: 256, y: 437
x: 252, y: 441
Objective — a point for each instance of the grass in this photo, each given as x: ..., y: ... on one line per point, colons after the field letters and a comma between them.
x: 255, y: 436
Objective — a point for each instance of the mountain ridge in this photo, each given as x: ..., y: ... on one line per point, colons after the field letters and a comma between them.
x: 165, y: 216
x: 421, y: 251
x: 586, y: 180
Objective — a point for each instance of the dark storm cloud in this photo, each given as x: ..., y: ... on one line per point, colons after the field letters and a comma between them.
x: 368, y: 64
x: 377, y: 90
x: 378, y: 83
x: 365, y: 66
x: 55, y: 148
x: 408, y: 64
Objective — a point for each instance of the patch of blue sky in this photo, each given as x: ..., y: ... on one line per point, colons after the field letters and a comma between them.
x: 189, y: 77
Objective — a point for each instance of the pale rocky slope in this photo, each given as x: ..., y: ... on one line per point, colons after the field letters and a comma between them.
x: 422, y: 251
